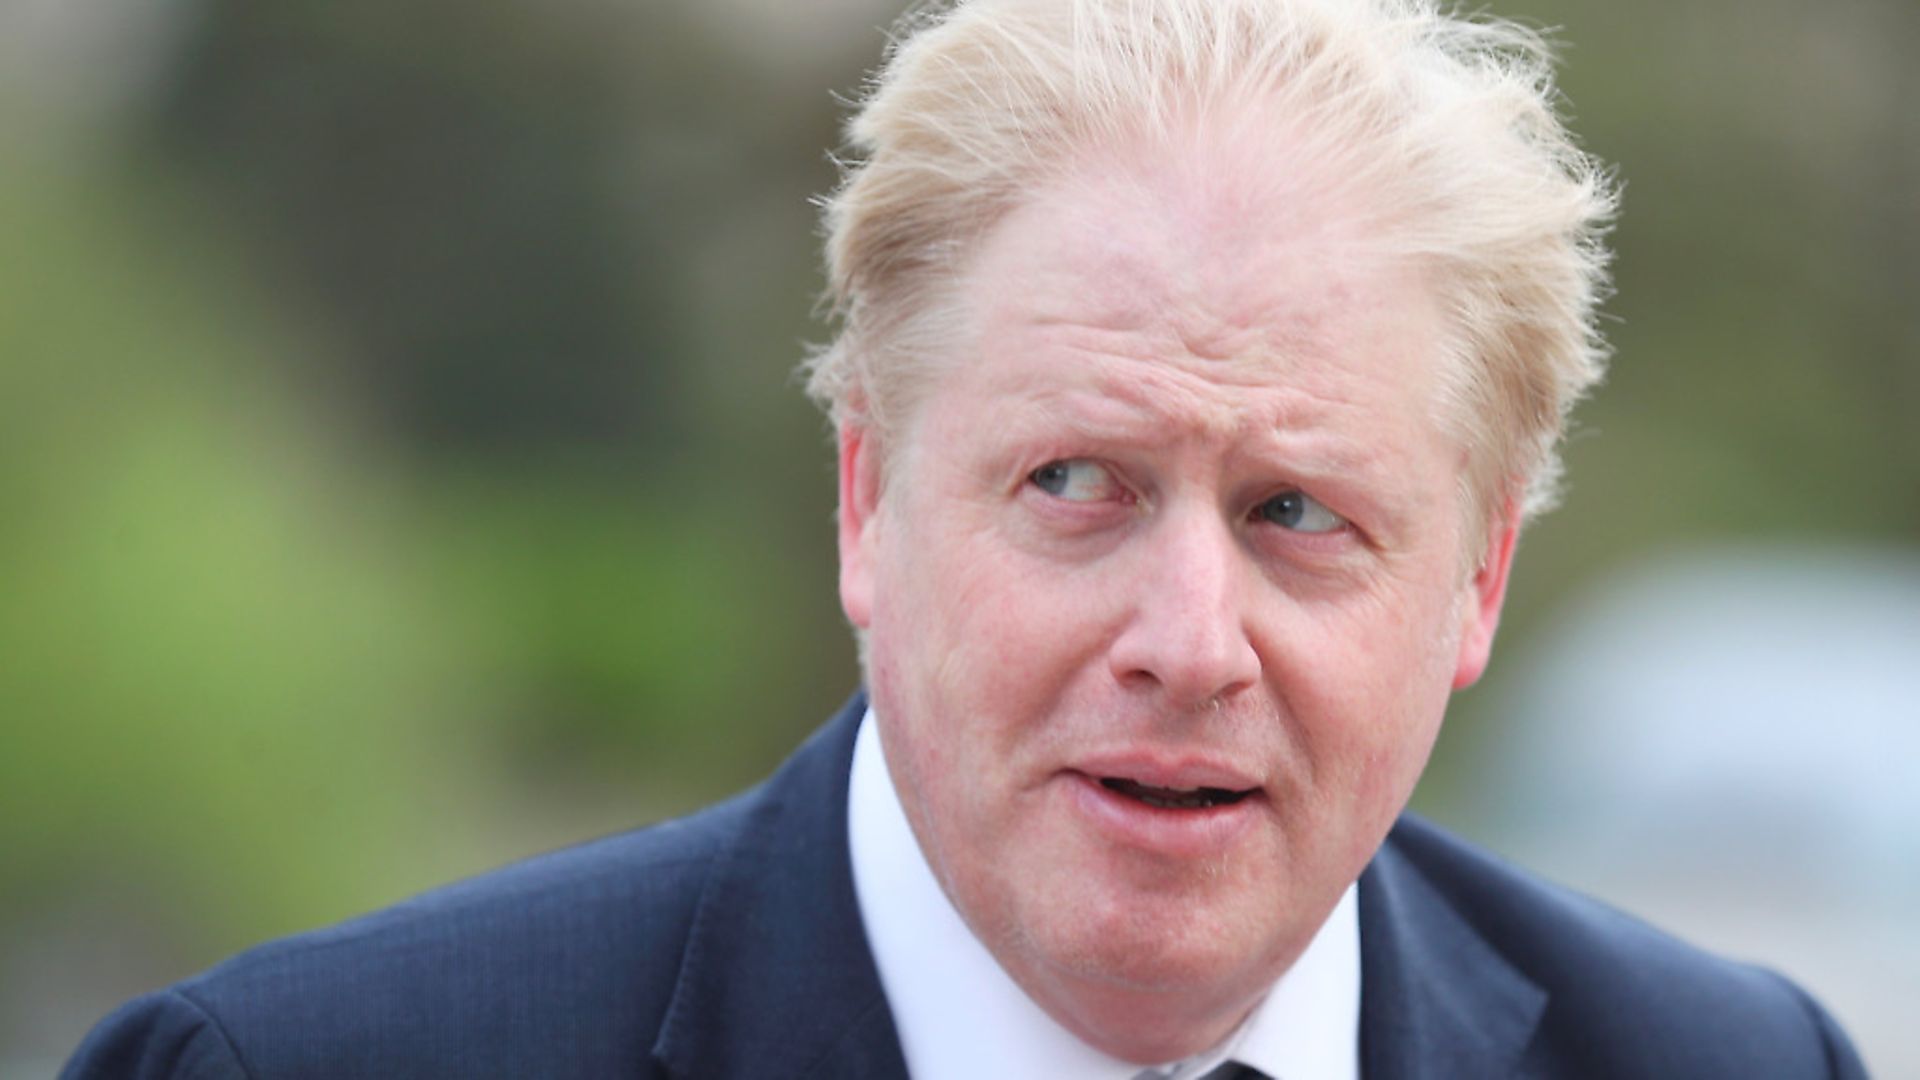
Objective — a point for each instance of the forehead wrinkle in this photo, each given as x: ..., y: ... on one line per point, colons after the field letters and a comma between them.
x: 1136, y: 377
x: 1287, y: 400
x: 1210, y: 311
x: 1154, y: 403
x: 1090, y: 413
x: 1175, y: 293
x: 1172, y: 314
x: 1185, y: 405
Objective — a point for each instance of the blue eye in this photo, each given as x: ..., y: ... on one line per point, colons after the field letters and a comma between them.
x: 1300, y: 512
x: 1075, y: 479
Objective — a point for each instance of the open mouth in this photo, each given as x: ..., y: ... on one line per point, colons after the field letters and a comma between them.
x: 1199, y: 798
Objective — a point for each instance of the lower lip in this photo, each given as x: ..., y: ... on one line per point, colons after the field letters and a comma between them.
x: 1185, y: 834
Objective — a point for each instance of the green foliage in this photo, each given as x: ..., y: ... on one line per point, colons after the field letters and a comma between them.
x: 217, y: 666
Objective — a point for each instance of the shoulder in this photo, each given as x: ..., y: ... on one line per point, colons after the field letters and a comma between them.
x: 1623, y: 998
x: 559, y: 965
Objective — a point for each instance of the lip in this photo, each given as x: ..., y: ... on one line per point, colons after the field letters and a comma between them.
x: 1184, y: 772
x: 1179, y: 834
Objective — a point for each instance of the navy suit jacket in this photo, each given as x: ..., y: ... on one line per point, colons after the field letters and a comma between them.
x: 729, y: 944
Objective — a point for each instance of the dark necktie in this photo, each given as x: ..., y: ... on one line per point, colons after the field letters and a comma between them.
x: 1233, y: 1070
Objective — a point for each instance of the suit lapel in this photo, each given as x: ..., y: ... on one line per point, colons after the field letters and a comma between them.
x: 777, y: 967
x: 1437, y: 1000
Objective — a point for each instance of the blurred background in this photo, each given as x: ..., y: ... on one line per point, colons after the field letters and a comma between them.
x: 401, y: 471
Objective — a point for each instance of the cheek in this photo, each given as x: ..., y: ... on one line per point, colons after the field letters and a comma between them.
x: 985, y: 615
x: 945, y: 633
x: 992, y: 657
x: 1369, y: 684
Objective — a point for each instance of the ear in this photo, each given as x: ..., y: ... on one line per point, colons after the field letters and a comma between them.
x: 859, y: 506
x: 1485, y: 594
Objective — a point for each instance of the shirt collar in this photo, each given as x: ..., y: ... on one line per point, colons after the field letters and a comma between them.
x: 945, y: 989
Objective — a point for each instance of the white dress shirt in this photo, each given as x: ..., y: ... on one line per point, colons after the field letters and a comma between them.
x: 960, y: 1016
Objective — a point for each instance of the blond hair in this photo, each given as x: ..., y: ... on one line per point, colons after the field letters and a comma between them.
x: 1447, y: 124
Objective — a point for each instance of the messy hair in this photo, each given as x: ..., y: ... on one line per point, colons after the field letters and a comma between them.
x: 1447, y: 124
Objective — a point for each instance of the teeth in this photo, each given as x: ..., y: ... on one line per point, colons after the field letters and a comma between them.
x: 1174, y: 798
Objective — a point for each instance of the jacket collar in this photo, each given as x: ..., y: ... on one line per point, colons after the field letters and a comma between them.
x: 777, y: 967
x: 1437, y: 999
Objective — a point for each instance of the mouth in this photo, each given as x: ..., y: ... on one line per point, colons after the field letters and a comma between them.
x: 1167, y: 798
x: 1194, y: 811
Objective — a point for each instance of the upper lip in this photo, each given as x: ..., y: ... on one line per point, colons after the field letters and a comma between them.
x: 1177, y: 771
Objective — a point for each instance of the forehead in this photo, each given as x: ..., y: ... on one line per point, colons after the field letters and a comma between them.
x: 1147, y: 278
x: 1212, y: 213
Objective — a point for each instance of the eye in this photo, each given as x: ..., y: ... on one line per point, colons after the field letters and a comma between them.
x: 1076, y: 480
x: 1300, y: 512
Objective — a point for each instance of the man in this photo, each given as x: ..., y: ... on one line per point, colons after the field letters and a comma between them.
x: 1200, y: 361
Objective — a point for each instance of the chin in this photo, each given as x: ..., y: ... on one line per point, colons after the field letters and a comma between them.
x: 1157, y: 943
x: 1146, y: 989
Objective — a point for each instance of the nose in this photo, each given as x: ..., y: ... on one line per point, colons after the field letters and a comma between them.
x: 1186, y: 636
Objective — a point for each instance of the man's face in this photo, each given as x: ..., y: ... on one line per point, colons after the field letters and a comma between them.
x: 1164, y: 595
